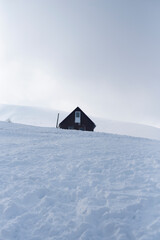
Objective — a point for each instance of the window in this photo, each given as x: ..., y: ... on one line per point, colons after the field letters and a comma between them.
x: 77, y: 114
x: 78, y: 117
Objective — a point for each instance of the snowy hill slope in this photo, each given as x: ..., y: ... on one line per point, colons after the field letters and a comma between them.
x: 29, y: 115
x: 130, y: 129
x: 47, y: 118
x: 73, y: 185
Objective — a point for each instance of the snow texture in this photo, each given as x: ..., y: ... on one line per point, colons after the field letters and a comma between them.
x: 73, y: 185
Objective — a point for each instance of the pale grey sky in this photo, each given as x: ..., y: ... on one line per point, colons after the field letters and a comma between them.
x: 100, y: 55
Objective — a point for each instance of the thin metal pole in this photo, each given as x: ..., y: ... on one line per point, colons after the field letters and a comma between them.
x: 57, y: 120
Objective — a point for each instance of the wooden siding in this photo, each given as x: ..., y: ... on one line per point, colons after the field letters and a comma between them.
x: 86, y: 124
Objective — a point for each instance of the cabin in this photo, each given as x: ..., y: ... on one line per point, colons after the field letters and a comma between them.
x: 77, y: 120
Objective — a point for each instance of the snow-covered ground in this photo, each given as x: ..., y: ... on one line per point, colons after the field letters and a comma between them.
x: 47, y: 118
x: 72, y: 185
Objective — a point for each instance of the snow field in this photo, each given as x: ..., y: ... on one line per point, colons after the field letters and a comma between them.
x: 71, y: 185
x: 48, y: 118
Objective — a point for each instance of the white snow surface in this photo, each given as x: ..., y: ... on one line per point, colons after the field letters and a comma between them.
x: 47, y: 118
x: 72, y: 185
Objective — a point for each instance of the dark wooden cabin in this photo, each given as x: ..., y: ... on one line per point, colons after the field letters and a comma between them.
x: 78, y: 120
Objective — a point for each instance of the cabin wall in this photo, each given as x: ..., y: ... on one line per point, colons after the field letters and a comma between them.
x: 85, y: 124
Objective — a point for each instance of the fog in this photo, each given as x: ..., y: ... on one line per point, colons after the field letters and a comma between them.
x: 100, y: 55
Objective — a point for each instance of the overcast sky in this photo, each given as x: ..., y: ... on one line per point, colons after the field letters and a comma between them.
x: 100, y: 55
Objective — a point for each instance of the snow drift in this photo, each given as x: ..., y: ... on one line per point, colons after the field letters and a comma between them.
x: 47, y: 118
x: 70, y: 185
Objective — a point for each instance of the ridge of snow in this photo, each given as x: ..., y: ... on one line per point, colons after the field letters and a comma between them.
x: 47, y: 118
